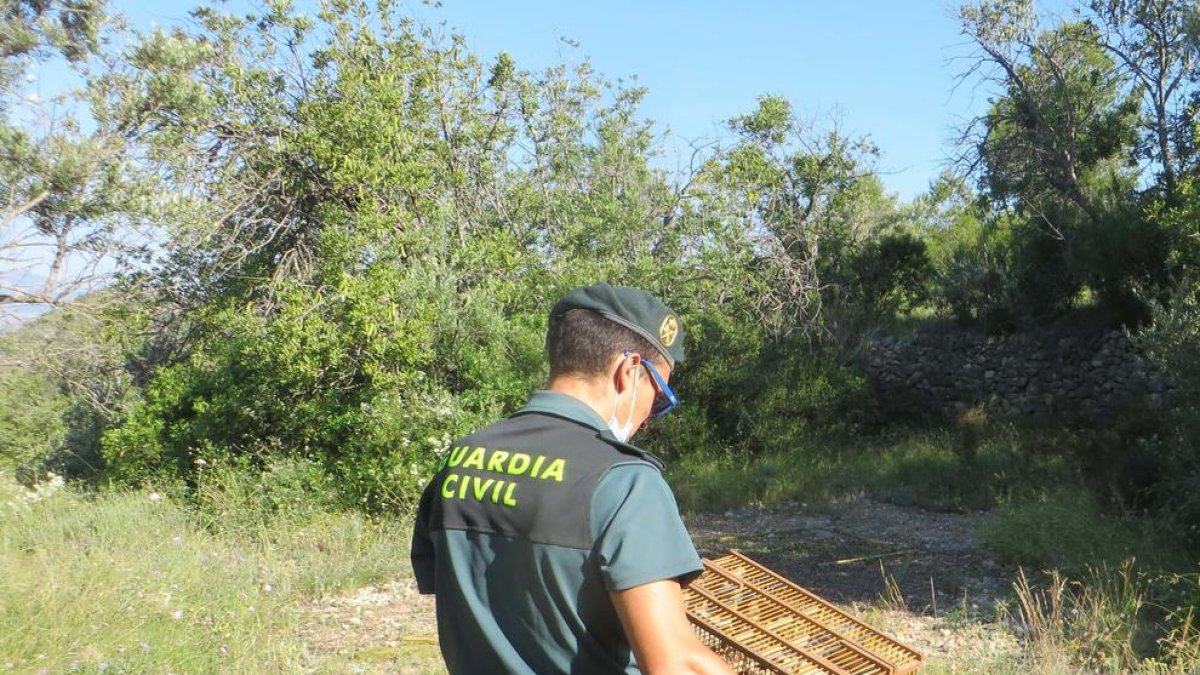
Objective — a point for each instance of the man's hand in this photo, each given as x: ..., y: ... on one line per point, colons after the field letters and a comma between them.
x: 657, y: 628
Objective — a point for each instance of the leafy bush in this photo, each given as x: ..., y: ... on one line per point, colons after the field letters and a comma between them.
x: 892, y: 274
x: 712, y: 385
x: 31, y: 418
x: 1046, y: 282
x: 346, y: 381
x: 975, y: 283
x: 1170, y: 342
x: 802, y: 387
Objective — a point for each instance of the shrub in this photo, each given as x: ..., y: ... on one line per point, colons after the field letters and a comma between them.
x: 31, y: 418
x: 1170, y: 344
x: 340, y: 381
x: 1170, y: 340
x: 975, y: 283
x: 802, y: 387
x: 1067, y: 530
x: 891, y: 274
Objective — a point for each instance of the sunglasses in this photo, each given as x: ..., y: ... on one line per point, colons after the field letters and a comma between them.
x: 665, y: 399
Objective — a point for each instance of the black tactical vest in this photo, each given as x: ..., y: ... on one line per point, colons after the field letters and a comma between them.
x: 531, y: 477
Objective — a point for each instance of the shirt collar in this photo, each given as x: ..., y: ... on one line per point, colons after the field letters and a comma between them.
x: 563, y: 405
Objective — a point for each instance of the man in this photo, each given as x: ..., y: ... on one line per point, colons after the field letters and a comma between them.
x: 551, y: 543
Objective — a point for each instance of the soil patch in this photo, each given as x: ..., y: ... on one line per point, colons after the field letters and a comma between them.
x: 859, y: 550
x: 377, y: 629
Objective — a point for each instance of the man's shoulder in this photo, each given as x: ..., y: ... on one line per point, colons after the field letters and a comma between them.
x: 528, y: 422
x: 634, y: 475
x: 537, y: 428
x: 586, y: 450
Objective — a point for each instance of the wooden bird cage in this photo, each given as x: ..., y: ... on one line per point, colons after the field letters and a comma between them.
x: 762, y: 623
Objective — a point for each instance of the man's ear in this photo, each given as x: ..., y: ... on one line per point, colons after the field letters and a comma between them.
x: 625, y: 371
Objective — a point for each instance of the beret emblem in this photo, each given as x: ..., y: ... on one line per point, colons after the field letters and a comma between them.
x: 669, y: 330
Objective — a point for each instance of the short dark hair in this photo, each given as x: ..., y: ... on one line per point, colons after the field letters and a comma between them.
x: 583, y: 342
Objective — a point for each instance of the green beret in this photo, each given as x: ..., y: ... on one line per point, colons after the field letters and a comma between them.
x: 633, y: 308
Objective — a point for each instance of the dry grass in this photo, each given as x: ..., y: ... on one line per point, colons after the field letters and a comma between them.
x: 132, y: 582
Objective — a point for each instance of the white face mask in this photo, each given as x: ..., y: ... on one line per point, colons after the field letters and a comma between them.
x: 623, y: 432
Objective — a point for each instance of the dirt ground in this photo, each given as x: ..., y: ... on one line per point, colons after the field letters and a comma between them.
x: 849, y: 551
x: 919, y: 575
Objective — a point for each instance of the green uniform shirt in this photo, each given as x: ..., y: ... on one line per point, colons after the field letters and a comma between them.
x: 526, y: 528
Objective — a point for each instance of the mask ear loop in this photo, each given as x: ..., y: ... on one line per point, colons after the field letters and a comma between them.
x: 633, y: 401
x: 612, y: 415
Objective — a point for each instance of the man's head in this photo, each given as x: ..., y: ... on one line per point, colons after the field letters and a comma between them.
x: 634, y: 321
x: 614, y: 337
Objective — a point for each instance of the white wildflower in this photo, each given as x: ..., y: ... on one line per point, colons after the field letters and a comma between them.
x: 18, y: 497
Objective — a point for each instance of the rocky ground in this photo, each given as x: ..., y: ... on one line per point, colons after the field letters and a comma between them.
x: 919, y: 575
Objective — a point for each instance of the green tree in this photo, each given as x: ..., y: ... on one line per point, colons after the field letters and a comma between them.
x: 1058, y: 151
x: 31, y: 418
x: 71, y: 217
x: 796, y: 203
x: 1063, y: 117
x: 66, y: 201
x: 1153, y: 42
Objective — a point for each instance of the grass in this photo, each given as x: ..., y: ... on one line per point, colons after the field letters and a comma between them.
x: 1080, y: 623
x: 1106, y: 622
x: 943, y: 470
x: 142, y: 582
x: 1066, y: 529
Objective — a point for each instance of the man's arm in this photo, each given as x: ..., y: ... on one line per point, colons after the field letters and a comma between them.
x: 657, y: 628
x: 421, y: 554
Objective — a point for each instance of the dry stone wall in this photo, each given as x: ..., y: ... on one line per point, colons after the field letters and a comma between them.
x: 941, y: 374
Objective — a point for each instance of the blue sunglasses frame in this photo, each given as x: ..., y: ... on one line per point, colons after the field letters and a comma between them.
x: 666, y: 401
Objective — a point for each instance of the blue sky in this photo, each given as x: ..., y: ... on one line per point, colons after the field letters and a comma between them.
x: 885, y: 68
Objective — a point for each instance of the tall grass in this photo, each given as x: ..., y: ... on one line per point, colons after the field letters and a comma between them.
x: 1109, y: 621
x: 145, y: 582
x: 1089, y: 624
x: 939, y: 469
x: 208, y: 580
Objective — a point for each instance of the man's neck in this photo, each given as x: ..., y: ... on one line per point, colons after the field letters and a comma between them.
x: 591, y: 391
